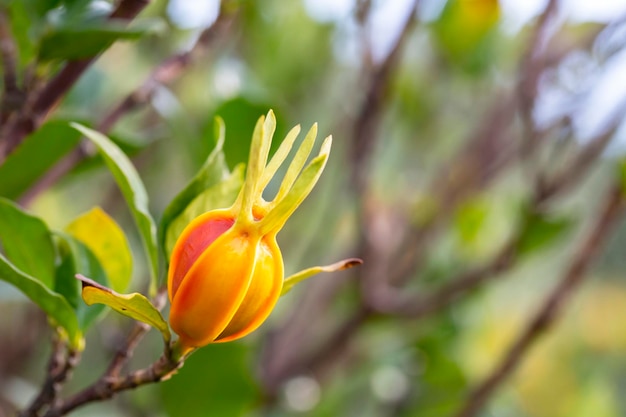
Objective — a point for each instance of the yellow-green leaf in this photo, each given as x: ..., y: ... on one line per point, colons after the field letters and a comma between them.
x: 99, y: 232
x: 309, y: 272
x: 134, y: 193
x: 135, y: 305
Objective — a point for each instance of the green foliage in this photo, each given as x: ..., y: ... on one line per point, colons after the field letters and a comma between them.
x: 55, y: 305
x: 215, y: 380
x: 540, y: 230
x: 77, y: 258
x: 20, y: 28
x: 134, y: 192
x: 220, y: 195
x: 27, y: 242
x: 240, y: 116
x: 87, y: 40
x: 465, y: 32
x: 434, y: 149
x: 39, y: 152
x: 212, y: 187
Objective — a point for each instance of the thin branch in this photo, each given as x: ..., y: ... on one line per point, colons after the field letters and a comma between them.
x: 366, y: 124
x: 546, y: 315
x: 140, y: 329
x: 420, y: 306
x: 62, y: 361
x: 531, y: 68
x: 106, y: 388
x: 12, y: 96
x: 582, y: 162
x: 111, y: 382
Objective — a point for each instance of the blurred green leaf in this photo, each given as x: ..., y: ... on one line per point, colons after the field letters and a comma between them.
x: 76, y: 258
x: 107, y: 241
x: 621, y: 173
x: 134, y: 192
x: 240, y: 116
x: 88, y: 40
x: 443, y: 382
x: 470, y: 220
x: 540, y: 230
x: 39, y: 152
x: 221, y: 195
x: 20, y: 26
x: 215, y: 381
x: 40, y: 7
x: 213, y: 172
x: 135, y: 305
x: 27, y: 242
x: 53, y: 304
x: 463, y: 32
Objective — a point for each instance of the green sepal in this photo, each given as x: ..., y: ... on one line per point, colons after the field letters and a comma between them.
x: 294, y: 279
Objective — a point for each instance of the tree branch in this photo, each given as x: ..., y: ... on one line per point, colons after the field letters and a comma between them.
x: 62, y: 361
x: 106, y: 387
x: 531, y: 69
x: 12, y: 97
x: 366, y: 124
x: 548, y: 312
x: 111, y: 382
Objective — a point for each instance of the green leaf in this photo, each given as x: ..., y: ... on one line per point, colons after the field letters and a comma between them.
x: 38, y: 152
x: 216, y: 380
x: 240, y: 115
x: 87, y: 40
x: 27, y: 242
x: 20, y: 27
x: 213, y: 175
x: 53, y: 304
x: 621, y: 173
x: 221, y: 195
x: 540, y: 230
x: 134, y: 192
x: 99, y: 232
x: 292, y: 280
x: 76, y: 258
x: 135, y: 305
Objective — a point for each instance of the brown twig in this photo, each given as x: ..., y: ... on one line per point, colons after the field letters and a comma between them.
x: 366, y: 124
x: 12, y: 97
x: 572, y: 174
x: 62, y: 361
x: 531, y: 68
x: 34, y: 114
x: 546, y: 315
x: 111, y: 382
x: 106, y: 387
x: 140, y: 329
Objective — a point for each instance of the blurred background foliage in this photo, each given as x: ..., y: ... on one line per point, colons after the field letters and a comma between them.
x: 432, y: 121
